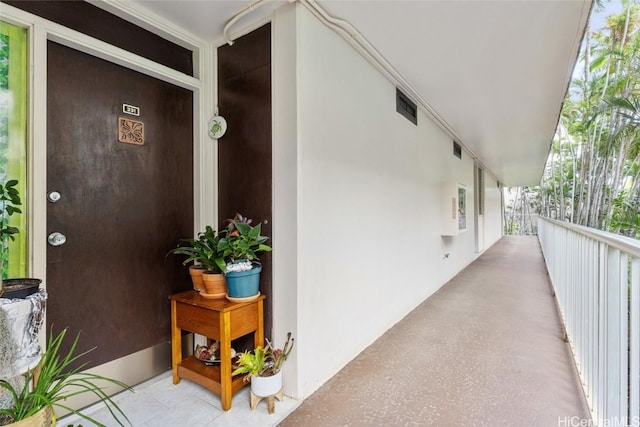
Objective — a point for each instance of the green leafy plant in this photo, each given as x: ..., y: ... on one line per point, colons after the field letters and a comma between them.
x: 252, y: 362
x: 204, y: 250
x: 9, y: 202
x: 264, y: 361
x: 242, y: 241
x: 279, y: 356
x: 56, y: 382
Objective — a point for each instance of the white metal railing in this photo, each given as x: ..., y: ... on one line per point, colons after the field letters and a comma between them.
x: 596, y: 277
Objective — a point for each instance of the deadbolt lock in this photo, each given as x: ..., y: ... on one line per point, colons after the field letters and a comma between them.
x: 53, y: 196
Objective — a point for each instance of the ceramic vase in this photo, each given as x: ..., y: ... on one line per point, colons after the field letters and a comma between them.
x: 266, y: 386
x: 244, y: 284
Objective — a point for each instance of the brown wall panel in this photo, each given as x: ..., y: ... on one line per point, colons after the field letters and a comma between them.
x: 95, y: 22
x: 244, y: 152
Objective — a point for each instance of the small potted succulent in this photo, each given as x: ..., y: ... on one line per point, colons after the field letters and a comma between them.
x: 240, y: 244
x: 263, y: 367
x: 208, y: 262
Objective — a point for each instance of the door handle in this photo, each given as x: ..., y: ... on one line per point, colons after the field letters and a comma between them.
x: 56, y: 239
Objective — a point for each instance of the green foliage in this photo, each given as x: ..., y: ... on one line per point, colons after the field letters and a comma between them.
x: 204, y: 250
x: 9, y: 202
x: 520, y: 210
x: 213, y: 251
x: 252, y: 362
x: 56, y: 382
x: 625, y: 217
x: 241, y: 241
x: 264, y: 361
x: 4, y: 61
x: 13, y: 132
x: 279, y: 356
x: 592, y: 175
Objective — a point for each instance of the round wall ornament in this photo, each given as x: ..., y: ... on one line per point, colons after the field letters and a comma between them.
x: 217, y: 127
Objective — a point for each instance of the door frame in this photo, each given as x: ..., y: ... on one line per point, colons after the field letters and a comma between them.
x: 205, y: 151
x: 479, y: 205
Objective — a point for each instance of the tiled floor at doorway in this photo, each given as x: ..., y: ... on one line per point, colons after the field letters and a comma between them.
x: 159, y: 403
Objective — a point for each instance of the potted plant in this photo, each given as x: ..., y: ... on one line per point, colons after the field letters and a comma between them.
x: 209, y: 264
x: 262, y: 367
x: 214, y: 265
x: 193, y: 249
x: 9, y: 202
x: 50, y: 384
x: 240, y: 245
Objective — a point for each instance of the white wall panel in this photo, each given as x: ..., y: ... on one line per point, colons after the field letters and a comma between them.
x: 368, y: 200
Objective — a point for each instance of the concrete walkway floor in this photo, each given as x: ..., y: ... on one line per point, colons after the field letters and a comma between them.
x: 487, y: 349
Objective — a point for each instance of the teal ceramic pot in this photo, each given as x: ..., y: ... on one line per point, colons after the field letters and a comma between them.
x: 243, y: 284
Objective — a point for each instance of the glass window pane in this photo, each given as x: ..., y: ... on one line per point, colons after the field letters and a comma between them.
x: 13, y: 137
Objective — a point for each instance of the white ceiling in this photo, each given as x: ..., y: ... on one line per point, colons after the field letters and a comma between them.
x: 495, y: 71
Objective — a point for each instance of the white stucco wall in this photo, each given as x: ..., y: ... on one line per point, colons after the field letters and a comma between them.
x: 357, y: 202
x: 285, y: 192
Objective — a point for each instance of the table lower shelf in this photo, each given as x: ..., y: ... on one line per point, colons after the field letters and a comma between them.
x: 207, y: 376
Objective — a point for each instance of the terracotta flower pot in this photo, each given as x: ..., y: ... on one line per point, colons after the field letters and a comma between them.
x: 215, y: 285
x: 196, y: 277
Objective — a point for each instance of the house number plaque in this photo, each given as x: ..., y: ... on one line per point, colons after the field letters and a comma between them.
x: 131, y: 109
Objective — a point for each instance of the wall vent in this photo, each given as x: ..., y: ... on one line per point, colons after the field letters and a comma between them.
x: 405, y: 107
x: 457, y: 150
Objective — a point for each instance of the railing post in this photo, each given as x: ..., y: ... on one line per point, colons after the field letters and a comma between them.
x: 599, y: 409
x: 594, y: 320
x: 616, y: 348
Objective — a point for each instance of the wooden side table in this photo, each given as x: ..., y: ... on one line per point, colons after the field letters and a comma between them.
x: 218, y: 319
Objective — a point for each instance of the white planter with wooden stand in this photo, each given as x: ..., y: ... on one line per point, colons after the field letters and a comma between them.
x: 266, y: 388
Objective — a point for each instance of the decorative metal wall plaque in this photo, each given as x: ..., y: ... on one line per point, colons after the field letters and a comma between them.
x: 130, y: 131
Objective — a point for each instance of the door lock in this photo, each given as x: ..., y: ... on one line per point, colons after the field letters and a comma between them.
x: 56, y: 239
x: 53, y: 196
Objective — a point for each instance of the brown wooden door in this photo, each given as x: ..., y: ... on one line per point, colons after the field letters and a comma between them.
x: 122, y: 206
x: 244, y: 153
